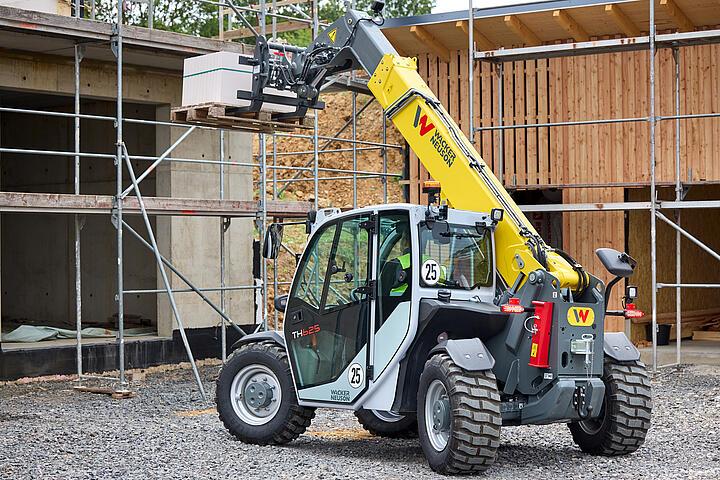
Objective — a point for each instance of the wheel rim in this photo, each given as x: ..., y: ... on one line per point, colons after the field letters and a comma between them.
x: 387, y: 416
x: 255, y: 394
x: 437, y: 415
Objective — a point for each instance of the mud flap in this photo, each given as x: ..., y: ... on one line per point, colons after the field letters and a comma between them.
x: 470, y: 354
x: 616, y: 345
x: 259, y: 337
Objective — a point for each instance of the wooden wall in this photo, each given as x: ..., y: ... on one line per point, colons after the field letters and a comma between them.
x: 590, y: 163
x: 697, y: 265
x: 584, y: 232
x: 584, y: 88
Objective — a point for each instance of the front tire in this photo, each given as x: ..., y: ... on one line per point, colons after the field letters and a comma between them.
x: 458, y: 417
x: 256, y: 398
x: 624, y: 419
x: 387, y: 424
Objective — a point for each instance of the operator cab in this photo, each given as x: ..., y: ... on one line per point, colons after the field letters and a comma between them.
x: 352, y: 310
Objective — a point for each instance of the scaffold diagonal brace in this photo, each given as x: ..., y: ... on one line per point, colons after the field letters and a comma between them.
x: 163, y: 273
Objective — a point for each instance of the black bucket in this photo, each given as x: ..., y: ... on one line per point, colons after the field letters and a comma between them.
x: 663, y: 333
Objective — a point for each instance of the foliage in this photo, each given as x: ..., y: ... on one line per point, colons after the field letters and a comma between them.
x: 194, y: 17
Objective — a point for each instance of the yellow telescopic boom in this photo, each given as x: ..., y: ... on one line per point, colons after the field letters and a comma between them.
x: 467, y: 182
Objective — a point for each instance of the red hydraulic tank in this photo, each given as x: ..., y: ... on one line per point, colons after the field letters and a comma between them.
x: 542, y: 328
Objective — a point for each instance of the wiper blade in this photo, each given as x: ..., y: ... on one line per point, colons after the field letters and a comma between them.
x: 462, y: 235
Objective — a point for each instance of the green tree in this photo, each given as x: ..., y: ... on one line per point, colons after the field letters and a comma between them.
x: 332, y: 9
x: 193, y: 17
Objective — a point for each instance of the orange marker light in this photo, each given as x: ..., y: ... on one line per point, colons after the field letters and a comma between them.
x: 513, y: 306
x: 632, y: 312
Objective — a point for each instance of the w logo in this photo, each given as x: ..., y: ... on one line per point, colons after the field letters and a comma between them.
x: 421, y: 119
x: 580, y: 317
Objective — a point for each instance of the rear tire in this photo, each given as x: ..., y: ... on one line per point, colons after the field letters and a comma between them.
x: 624, y: 418
x: 256, y: 398
x: 387, y: 424
x: 458, y: 417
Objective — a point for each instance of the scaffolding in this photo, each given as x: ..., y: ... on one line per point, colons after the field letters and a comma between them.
x: 129, y: 199
x: 650, y: 42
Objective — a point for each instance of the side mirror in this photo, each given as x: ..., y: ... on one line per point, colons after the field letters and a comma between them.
x: 273, y: 240
x: 441, y: 232
x: 617, y: 263
x: 280, y: 303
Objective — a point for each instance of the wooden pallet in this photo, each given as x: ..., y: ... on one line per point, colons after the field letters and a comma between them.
x: 215, y: 115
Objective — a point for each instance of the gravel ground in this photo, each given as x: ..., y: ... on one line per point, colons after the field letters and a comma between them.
x: 49, y: 431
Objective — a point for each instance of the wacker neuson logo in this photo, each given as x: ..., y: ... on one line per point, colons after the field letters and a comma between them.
x: 437, y: 140
x: 422, y: 120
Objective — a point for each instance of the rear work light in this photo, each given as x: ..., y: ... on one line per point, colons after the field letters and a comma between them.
x: 513, y: 306
x: 632, y: 312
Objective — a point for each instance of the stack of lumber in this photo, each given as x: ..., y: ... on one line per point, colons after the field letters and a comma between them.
x: 711, y: 331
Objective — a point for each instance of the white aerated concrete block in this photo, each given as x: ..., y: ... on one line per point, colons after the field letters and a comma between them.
x: 216, y: 78
x: 59, y: 7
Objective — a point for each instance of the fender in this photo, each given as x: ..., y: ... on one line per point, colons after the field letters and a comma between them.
x: 271, y: 335
x: 617, y: 345
x: 470, y: 354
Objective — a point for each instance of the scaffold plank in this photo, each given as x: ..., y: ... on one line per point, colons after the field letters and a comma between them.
x: 19, y: 202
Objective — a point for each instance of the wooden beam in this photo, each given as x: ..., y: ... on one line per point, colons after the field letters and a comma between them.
x: 570, y: 26
x: 521, y: 30
x: 481, y: 41
x: 622, y: 20
x: 281, y: 27
x: 16, y: 202
x: 429, y: 41
x: 678, y: 16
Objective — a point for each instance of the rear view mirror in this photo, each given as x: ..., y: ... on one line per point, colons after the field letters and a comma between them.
x: 441, y: 232
x: 280, y: 303
x: 617, y: 263
x: 273, y: 241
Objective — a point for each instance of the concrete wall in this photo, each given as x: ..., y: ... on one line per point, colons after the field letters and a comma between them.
x: 37, y: 250
x: 193, y: 243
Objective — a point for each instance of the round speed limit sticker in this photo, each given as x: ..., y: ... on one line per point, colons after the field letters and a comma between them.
x: 430, y: 272
x: 356, y: 375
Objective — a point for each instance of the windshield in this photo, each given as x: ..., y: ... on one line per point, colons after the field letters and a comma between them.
x: 455, y: 256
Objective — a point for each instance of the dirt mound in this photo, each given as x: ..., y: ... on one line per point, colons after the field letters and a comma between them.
x: 339, y: 193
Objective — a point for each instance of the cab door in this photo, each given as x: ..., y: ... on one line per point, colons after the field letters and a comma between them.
x: 394, y: 287
x: 328, y: 317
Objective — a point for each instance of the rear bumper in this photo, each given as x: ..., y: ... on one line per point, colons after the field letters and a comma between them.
x: 561, y: 403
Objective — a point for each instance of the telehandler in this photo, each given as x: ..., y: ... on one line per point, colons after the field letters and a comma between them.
x: 449, y: 320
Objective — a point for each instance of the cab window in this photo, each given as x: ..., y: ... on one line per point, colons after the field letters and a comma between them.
x: 348, y: 264
x: 312, y: 271
x: 455, y: 256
